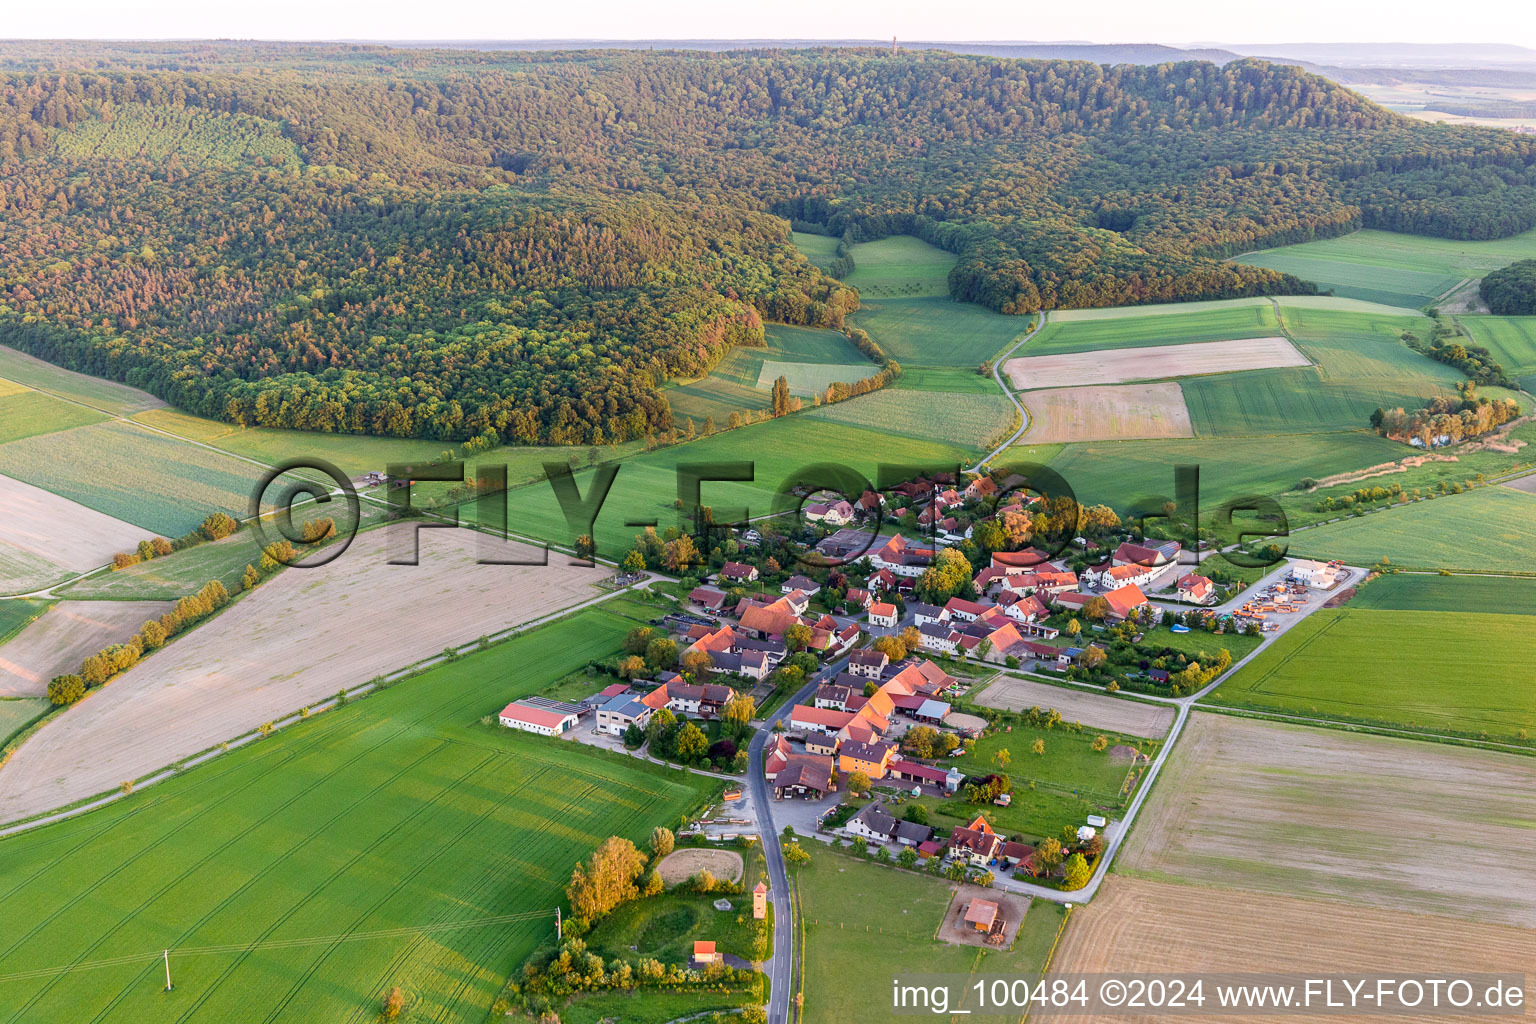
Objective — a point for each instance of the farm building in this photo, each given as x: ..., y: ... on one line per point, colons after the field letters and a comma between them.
x: 543, y: 721
x: 1317, y: 575
x: 705, y: 953
x: 620, y: 712
x: 803, y: 778
x: 980, y: 915
x: 872, y: 823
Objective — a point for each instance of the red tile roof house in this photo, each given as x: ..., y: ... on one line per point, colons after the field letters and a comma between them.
x: 1112, y: 577
x: 981, y: 487
x: 858, y: 597
x: 975, y: 844
x: 836, y: 513
x: 902, y: 557
x: 738, y: 572
x: 765, y: 621
x: 704, y: 953
x: 964, y: 611
x: 540, y: 721
x: 1196, y: 589
x: 882, y: 614
x: 1125, y: 600
x: 1147, y: 555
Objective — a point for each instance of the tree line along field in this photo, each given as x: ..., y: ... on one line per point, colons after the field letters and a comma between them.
x: 1446, y: 670
x: 1488, y: 528
x: 1391, y: 268
x: 396, y: 841
x: 743, y: 379
x: 852, y: 906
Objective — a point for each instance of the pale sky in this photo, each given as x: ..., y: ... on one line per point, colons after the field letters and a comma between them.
x: 1175, y: 22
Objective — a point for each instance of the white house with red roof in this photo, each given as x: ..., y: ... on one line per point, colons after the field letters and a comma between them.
x: 882, y: 614
x: 1196, y: 589
x: 542, y: 721
x: 836, y: 513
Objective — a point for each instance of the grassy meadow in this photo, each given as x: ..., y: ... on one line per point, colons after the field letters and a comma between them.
x: 396, y: 841
x: 1295, y: 400
x: 742, y: 381
x: 974, y: 421
x: 1148, y: 326
x: 1432, y: 592
x: 16, y: 713
x: 819, y: 249
x: 1511, y: 340
x: 900, y: 267
x: 1392, y: 268
x: 104, y: 395
x: 28, y: 413
x: 1445, y: 669
x: 938, y: 331
x: 853, y: 907
x: 1489, y: 528
x: 16, y: 613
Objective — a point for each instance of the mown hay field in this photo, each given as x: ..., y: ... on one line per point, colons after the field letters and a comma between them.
x: 1326, y: 814
x: 396, y: 841
x: 298, y: 638
x: 809, y: 359
x: 1106, y: 412
x: 1350, y: 345
x: 1489, y: 528
x: 1136, y: 926
x: 975, y: 421
x: 1469, y: 675
x: 819, y: 249
x: 1113, y: 366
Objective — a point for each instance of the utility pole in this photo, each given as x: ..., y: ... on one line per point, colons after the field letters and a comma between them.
x: 168, y: 985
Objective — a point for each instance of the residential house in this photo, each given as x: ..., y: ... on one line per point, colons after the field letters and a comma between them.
x: 872, y: 823
x: 882, y: 614
x: 882, y: 580
x: 837, y: 513
x: 938, y: 637
x: 902, y: 557
x: 749, y: 664
x: 543, y: 721
x: 738, y: 572
x: 869, y: 504
x: 1028, y: 560
x: 910, y: 833
x: 980, y: 489
x: 1126, y: 600
x: 768, y: 621
x: 620, y: 712
x: 833, y: 696
x: 868, y: 663
x: 1196, y: 589
x: 923, y: 614
x: 975, y: 844
x: 814, y: 721
x: 1050, y: 582
x: 961, y: 610
x: 870, y: 758
x: 804, y: 584
x: 1112, y: 577
x: 1151, y: 556
x: 604, y: 695
x: 858, y: 597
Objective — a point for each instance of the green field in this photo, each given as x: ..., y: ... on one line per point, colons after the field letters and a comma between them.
x: 1489, y: 528
x: 1512, y: 342
x: 1348, y: 345
x: 16, y: 713
x: 739, y: 382
x: 17, y: 612
x: 1118, y: 473
x: 1431, y: 592
x: 27, y: 413
x: 819, y: 249
x: 951, y: 380
x: 1457, y: 671
x: 1295, y: 400
x: 865, y: 922
x: 646, y: 487
x: 900, y: 267
x: 1146, y: 326
x: 1391, y: 268
x: 108, y: 396
x: 164, y: 485
x: 397, y: 841
x: 971, y: 420
x: 938, y: 331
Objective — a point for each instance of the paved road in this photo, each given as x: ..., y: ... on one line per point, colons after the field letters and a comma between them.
x: 997, y: 375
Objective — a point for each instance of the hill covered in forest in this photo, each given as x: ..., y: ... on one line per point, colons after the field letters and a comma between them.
x: 444, y: 242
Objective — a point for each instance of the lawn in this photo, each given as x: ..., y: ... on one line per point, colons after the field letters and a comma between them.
x: 1391, y: 268
x: 1295, y: 401
x: 900, y: 267
x: 28, y: 413
x: 1120, y: 473
x: 1197, y: 642
x: 975, y: 421
x: 779, y: 451
x: 1431, y: 592
x: 1443, y: 670
x: 145, y: 478
x: 397, y: 841
x: 866, y: 923
x: 938, y: 331
x: 106, y: 395
x: 1511, y: 340
x: 1488, y: 528
x: 1145, y: 326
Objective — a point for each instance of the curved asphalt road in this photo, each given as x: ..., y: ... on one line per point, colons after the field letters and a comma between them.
x: 997, y: 375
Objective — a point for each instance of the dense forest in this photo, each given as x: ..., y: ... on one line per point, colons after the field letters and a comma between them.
x: 443, y: 243
x: 1511, y: 290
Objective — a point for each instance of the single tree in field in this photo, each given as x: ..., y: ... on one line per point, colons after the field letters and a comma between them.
x: 1100, y: 743
x: 662, y: 842
x: 1037, y: 747
x: 1001, y: 758
x: 394, y: 1002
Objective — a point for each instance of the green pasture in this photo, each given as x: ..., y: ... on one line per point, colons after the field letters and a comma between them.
x: 819, y: 249
x: 856, y: 910
x: 16, y: 713
x: 105, y: 395
x: 1511, y: 340
x: 1136, y: 327
x: 807, y: 379
x: 17, y: 613
x: 1392, y: 268
x: 1432, y: 592
x: 1295, y: 400
x: 937, y: 331
x: 1156, y: 309
x: 1349, y: 345
x: 28, y: 413
x: 396, y: 841
x: 900, y: 267
x: 970, y: 420
x: 1447, y: 670
x: 1489, y: 528
x: 741, y: 382
x: 951, y: 379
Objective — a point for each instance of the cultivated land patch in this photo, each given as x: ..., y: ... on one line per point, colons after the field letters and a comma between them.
x: 680, y: 865
x: 1296, y: 401
x: 45, y: 537
x: 298, y: 638
x: 16, y: 713
x: 938, y: 331
x: 1524, y: 483
x: 1150, y: 326
x: 27, y: 413
x: 900, y: 266
x: 1470, y: 670
x: 1138, y: 926
x: 63, y: 637
x: 1106, y: 412
x: 158, y: 483
x: 96, y: 392
x: 1389, y: 823
x: 974, y: 420
x: 1431, y: 592
x: 810, y: 378
x: 1114, y: 366
x: 396, y: 841
x: 1511, y: 340
x: 1362, y: 346
x: 1093, y: 710
x: 1488, y: 528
